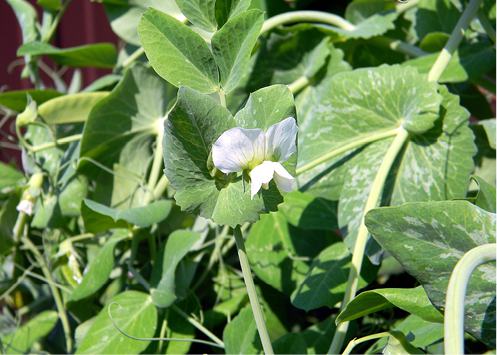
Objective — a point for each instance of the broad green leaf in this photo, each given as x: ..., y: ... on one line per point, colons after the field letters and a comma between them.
x: 240, y: 335
x: 9, y: 177
x: 177, y: 53
x: 99, y: 218
x: 193, y: 125
x: 313, y: 340
x: 225, y: 9
x: 485, y: 195
x: 489, y: 127
x: 421, y: 333
x: 412, y: 300
x: 17, y: 100
x: 434, y: 42
x: 124, y: 15
x: 177, y: 246
x: 134, y: 313
x: 21, y: 341
x: 99, y: 269
x: 326, y: 280
x: 397, y: 343
x: 233, y: 44
x: 119, y: 134
x: 279, y: 252
x: 69, y: 108
x: 305, y: 211
x: 434, y: 165
x: 99, y: 55
x: 360, y: 10
x: 428, y: 239
x: 50, y: 5
x: 202, y: 13
x: 433, y: 16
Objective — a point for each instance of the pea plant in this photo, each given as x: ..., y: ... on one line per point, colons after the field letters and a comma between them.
x: 253, y: 177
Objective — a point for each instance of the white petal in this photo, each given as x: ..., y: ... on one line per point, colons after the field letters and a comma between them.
x: 280, y: 140
x: 283, y: 179
x: 261, y: 174
x: 236, y: 148
x: 25, y: 206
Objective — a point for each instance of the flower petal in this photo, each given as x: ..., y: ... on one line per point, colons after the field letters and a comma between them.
x: 236, y: 148
x: 283, y: 179
x: 261, y: 174
x: 280, y: 140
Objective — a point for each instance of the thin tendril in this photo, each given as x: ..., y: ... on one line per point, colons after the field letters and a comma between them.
x: 205, y: 342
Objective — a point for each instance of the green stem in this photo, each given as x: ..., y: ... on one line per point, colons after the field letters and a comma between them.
x: 354, y: 143
x: 454, y: 40
x: 398, y: 46
x: 456, y: 291
x: 362, y: 235
x: 133, y: 56
x: 161, y: 187
x: 58, y: 142
x: 487, y: 26
x: 357, y: 341
x: 199, y: 326
x: 55, y: 23
x: 222, y: 97
x: 55, y: 292
x: 306, y: 16
x: 156, y: 167
x: 298, y: 84
x: 252, y: 293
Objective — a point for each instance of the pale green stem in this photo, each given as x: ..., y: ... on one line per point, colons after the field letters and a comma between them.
x: 454, y: 40
x: 398, y: 46
x: 362, y: 235
x: 456, y: 291
x: 199, y: 326
x: 161, y: 187
x: 55, y: 23
x: 156, y: 167
x: 222, y: 97
x: 306, y: 16
x: 80, y: 237
x: 58, y: 142
x: 357, y: 341
x: 133, y: 56
x: 252, y: 293
x: 162, y: 334
x: 354, y: 143
x: 298, y: 84
x: 487, y: 26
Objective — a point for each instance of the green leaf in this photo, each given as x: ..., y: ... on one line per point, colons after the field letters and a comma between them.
x: 485, y: 195
x: 99, y: 218
x: 202, y: 13
x: 278, y: 252
x: 397, y: 343
x: 193, y: 125
x: 412, y: 300
x: 21, y: 341
x: 99, y: 55
x: 438, y: 160
x: 225, y: 9
x: 9, y: 177
x: 177, y: 246
x: 50, y: 5
x: 27, y: 18
x: 99, y: 269
x: 69, y: 108
x: 313, y: 340
x: 240, y: 335
x: 124, y: 15
x: 233, y: 44
x: 428, y: 239
x: 305, y: 211
x: 434, y: 16
x: 177, y: 53
x: 119, y: 134
x: 134, y: 313
x: 178, y: 327
x: 17, y: 100
x: 326, y: 280
x: 489, y: 127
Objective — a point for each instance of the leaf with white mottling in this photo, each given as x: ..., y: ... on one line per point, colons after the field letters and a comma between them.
x: 428, y: 239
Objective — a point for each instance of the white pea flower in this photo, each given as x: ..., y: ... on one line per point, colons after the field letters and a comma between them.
x: 260, y: 152
x: 25, y: 206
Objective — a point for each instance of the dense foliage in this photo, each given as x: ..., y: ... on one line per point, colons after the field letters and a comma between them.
x: 121, y: 234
